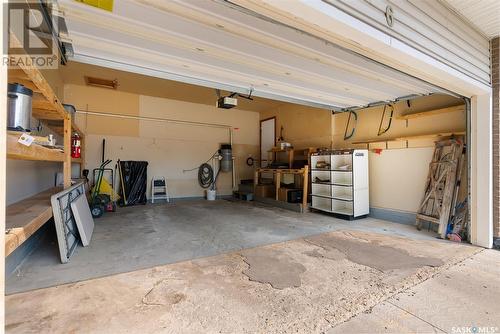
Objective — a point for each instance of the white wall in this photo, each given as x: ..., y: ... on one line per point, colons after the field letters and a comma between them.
x: 26, y: 178
x: 481, y: 171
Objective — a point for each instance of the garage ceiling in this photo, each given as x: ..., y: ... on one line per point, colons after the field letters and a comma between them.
x: 74, y: 73
x: 218, y: 45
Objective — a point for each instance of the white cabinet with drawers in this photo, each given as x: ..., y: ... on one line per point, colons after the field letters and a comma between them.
x: 340, y: 182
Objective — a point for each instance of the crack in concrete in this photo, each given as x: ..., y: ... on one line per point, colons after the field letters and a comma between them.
x: 416, y: 316
x: 144, y: 298
x: 171, y: 298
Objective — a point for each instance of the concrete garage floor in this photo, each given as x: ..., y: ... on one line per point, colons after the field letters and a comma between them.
x: 145, y: 236
x: 345, y: 281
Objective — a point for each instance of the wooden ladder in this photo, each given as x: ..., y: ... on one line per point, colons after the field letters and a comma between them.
x: 441, y: 185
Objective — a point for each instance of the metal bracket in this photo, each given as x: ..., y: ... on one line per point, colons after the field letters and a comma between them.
x: 348, y: 136
x: 381, y: 130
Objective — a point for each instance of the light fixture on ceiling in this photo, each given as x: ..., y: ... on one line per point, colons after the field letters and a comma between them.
x: 99, y: 82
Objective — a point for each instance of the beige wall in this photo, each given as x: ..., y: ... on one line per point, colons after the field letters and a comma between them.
x: 303, y: 126
x: 398, y: 175
x: 169, y: 148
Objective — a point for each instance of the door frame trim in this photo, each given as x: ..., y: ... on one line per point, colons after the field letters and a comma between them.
x: 260, y: 135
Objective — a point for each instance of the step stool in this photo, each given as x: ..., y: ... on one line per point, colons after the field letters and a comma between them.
x: 159, y: 189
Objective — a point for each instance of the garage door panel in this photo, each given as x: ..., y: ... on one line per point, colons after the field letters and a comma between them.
x: 238, y: 50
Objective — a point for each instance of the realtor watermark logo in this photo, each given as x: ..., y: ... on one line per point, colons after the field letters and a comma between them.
x: 30, y: 35
x: 475, y: 330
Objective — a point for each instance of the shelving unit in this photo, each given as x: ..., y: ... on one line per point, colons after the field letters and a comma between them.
x: 25, y: 217
x: 272, y: 154
x: 433, y: 112
x: 340, y: 182
x: 437, y: 136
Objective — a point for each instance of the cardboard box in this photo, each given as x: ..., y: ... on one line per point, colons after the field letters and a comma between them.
x: 265, y: 190
x: 283, y: 194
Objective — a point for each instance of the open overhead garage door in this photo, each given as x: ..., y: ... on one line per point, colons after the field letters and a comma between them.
x: 221, y: 45
x: 216, y: 44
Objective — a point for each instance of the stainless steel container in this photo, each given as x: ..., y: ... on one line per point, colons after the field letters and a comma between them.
x: 19, y: 107
x: 226, y: 164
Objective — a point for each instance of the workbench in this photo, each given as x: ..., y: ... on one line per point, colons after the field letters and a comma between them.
x: 278, y: 172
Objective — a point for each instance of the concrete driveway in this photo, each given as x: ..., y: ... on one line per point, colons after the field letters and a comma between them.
x: 344, y: 281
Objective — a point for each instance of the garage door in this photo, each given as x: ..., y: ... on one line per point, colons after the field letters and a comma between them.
x: 219, y: 45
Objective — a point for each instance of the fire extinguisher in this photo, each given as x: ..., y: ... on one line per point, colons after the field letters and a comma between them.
x: 75, y: 146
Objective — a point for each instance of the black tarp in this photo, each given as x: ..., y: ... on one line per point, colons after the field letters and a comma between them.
x: 134, y: 181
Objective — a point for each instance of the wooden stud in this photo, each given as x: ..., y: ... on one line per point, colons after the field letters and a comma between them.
x: 67, y: 153
x: 278, y: 184
x: 82, y: 150
x: 305, y: 187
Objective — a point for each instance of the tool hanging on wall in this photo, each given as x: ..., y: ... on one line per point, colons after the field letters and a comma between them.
x: 281, y: 138
x: 355, y: 115
x: 381, y: 130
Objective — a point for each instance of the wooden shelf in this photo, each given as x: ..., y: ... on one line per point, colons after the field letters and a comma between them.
x: 281, y: 170
x: 32, y: 152
x: 25, y: 217
x: 272, y: 154
x: 432, y: 112
x: 46, y: 105
x: 405, y: 138
x: 77, y: 160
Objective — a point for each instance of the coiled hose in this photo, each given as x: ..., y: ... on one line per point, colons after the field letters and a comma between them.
x: 205, y: 175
